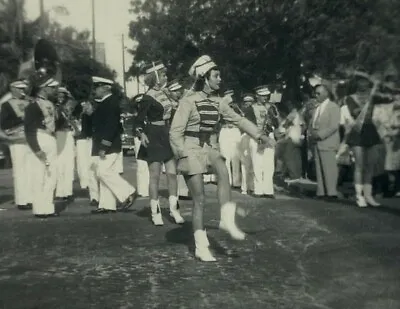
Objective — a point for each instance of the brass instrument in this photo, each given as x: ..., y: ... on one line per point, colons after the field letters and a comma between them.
x: 73, y: 123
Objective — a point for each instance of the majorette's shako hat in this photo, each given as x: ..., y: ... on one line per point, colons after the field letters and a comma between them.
x: 51, y: 82
x: 154, y: 67
x: 201, y: 66
x: 19, y: 84
x: 102, y: 81
x: 315, y: 81
x: 229, y: 92
x: 262, y: 90
x: 174, y: 85
x: 248, y: 97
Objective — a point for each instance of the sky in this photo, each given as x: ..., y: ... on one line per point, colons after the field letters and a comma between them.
x: 112, y: 19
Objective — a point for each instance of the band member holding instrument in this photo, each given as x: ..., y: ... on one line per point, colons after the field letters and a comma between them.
x: 244, y: 152
x: 12, y: 115
x: 191, y: 136
x: 40, y: 126
x: 155, y: 146
x: 263, y: 115
x: 229, y: 139
x: 175, y: 91
x: 65, y: 145
x: 362, y: 136
x: 107, y: 145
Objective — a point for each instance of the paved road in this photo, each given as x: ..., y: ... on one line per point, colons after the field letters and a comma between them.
x: 300, y: 253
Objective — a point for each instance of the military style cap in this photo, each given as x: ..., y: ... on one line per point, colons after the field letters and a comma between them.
x: 174, y: 85
x: 51, y: 82
x: 315, y: 80
x: 137, y: 98
x: 262, y: 90
x: 19, y: 84
x: 229, y: 92
x: 201, y: 66
x: 154, y: 67
x: 64, y: 90
x: 101, y: 80
x: 248, y: 97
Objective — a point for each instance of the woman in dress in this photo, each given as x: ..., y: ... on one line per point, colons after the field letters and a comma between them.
x: 194, y: 143
x: 152, y: 125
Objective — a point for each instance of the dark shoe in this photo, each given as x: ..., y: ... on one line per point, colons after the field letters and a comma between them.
x: 53, y: 215
x: 129, y: 201
x: 331, y: 198
x: 25, y: 207
x: 270, y: 196
x: 100, y: 211
x: 94, y: 203
x: 70, y: 198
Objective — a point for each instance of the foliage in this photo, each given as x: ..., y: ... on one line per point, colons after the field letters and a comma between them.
x: 254, y: 41
x: 18, y: 38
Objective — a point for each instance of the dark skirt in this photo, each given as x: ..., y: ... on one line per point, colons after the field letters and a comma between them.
x: 159, y: 148
x: 368, y: 136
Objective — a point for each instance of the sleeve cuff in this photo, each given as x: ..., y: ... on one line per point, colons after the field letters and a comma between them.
x: 106, y: 143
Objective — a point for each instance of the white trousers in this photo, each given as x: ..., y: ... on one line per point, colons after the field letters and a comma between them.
x: 120, y: 162
x: 45, y: 177
x: 142, y: 172
x: 21, y: 157
x: 65, y: 163
x: 112, y: 186
x: 264, y: 168
x: 229, y: 140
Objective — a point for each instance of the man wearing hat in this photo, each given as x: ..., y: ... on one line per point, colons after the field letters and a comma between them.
x: 40, y: 126
x: 229, y: 139
x: 263, y: 159
x: 65, y: 145
x: 107, y: 144
x: 246, y: 164
x: 12, y: 115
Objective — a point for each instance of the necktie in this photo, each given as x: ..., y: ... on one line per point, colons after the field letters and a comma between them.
x: 317, y: 115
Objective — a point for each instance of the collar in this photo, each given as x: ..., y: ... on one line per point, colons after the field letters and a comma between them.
x: 103, y: 98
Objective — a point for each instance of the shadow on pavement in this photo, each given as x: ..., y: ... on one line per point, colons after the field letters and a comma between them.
x: 6, y: 198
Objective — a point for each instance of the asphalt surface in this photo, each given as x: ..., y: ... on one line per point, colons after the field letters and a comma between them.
x: 300, y: 253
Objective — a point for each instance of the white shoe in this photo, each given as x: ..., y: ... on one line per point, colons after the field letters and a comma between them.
x: 177, y: 216
x: 227, y: 223
x: 369, y: 199
x: 202, y: 252
x: 360, y: 200
x: 157, y: 219
x: 244, y: 192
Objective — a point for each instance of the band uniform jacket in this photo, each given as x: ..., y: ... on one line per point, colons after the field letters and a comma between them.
x: 12, y: 114
x: 327, y: 127
x: 195, y: 124
x: 106, y: 126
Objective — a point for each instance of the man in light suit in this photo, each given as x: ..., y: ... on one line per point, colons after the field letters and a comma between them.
x: 325, y: 140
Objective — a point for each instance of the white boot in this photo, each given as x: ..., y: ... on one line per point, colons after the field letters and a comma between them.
x: 174, y: 210
x: 360, y: 200
x: 202, y: 251
x: 227, y: 223
x: 368, y: 196
x: 156, y: 215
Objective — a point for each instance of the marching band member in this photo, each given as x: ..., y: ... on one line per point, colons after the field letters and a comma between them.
x: 324, y: 142
x: 142, y: 169
x: 155, y: 147
x: 12, y: 116
x: 246, y: 164
x: 176, y: 93
x: 362, y: 136
x: 106, y: 147
x: 229, y: 139
x: 84, y: 156
x: 263, y: 159
x: 191, y: 136
x: 65, y: 146
x: 39, y: 126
